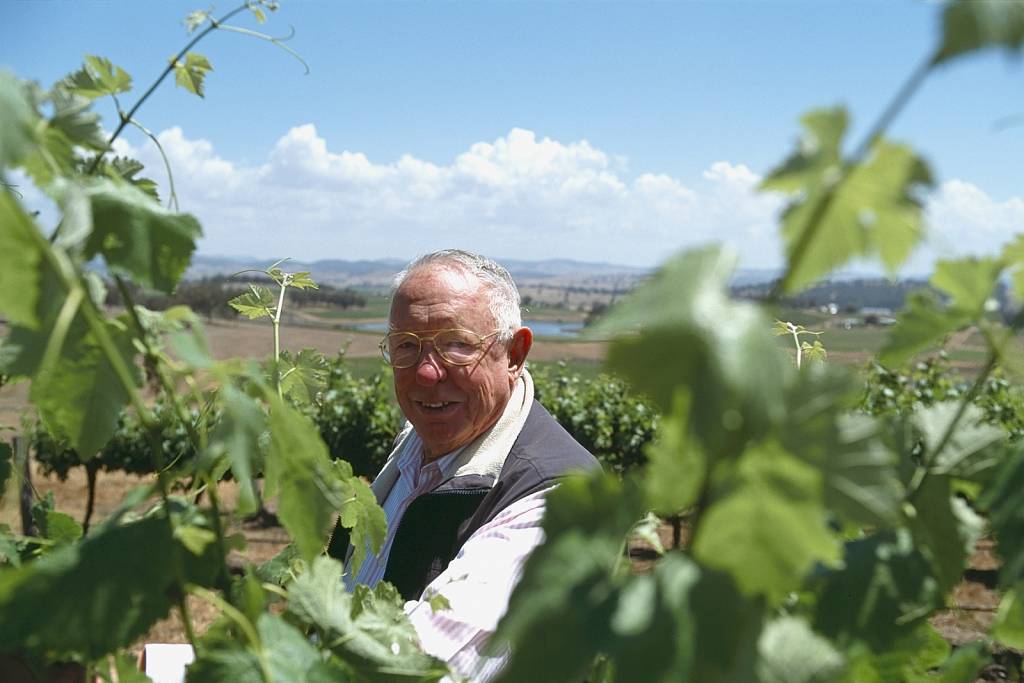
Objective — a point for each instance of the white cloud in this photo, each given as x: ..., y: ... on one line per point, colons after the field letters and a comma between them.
x: 517, y: 196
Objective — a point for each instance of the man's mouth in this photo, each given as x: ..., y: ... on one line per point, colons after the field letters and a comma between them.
x: 436, y: 406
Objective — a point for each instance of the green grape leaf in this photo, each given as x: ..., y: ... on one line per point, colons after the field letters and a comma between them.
x: 289, y: 654
x: 10, y: 550
x: 790, y: 652
x: 137, y: 237
x: 302, y: 281
x: 971, y: 25
x: 963, y: 666
x: 115, y: 601
x: 124, y: 669
x: 17, y: 135
x: 922, y: 324
x: 676, y: 465
x: 20, y: 257
x: 127, y: 170
x: 228, y: 661
x: 883, y: 591
x: 279, y: 569
x: 1000, y: 501
x: 969, y: 282
x: 874, y: 210
x: 57, y: 526
x: 970, y: 440
x: 567, y: 585
x: 939, y: 535
x: 766, y: 524
x: 258, y: 302
x: 671, y: 334
x: 191, y: 74
x: 303, y: 375
x: 1008, y: 627
x: 368, y: 629
x: 196, y: 19
x: 361, y: 515
x: 52, y: 158
x: 258, y: 13
x: 817, y: 157
x: 1013, y: 256
x: 727, y: 627
x: 313, y: 488
x: 97, y: 77
x: 237, y: 437
x: 73, y: 118
x: 861, y: 480
x: 80, y: 396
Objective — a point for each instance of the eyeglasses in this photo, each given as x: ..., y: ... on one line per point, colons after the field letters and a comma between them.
x: 456, y: 347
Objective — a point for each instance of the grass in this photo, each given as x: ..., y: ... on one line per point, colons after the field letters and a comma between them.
x: 377, y: 306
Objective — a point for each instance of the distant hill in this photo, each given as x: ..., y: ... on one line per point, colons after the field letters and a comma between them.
x: 378, y: 273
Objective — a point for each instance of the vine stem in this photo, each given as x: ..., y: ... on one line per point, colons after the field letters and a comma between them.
x: 276, y: 319
x: 126, y: 118
x: 814, y: 221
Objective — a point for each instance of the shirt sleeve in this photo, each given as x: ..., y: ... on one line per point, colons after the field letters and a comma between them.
x: 477, y: 584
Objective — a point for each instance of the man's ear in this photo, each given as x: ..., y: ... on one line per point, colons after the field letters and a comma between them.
x: 518, y: 350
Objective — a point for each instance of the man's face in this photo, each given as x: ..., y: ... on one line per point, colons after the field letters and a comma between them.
x: 450, y: 405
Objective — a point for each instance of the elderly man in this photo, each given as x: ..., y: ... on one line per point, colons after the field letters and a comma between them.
x: 464, y: 488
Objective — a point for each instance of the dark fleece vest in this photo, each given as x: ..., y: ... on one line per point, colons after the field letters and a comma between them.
x: 437, y: 524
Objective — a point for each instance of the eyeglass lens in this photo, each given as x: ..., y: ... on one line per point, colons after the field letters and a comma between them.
x: 459, y: 347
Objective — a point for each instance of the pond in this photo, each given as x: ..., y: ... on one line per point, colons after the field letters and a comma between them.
x: 541, y: 328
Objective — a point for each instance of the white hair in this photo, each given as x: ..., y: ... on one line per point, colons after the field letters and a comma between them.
x: 503, y: 295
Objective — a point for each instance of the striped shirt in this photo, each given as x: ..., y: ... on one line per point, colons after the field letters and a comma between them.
x: 479, y: 580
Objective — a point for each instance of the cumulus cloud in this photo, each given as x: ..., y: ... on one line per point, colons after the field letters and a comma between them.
x: 518, y: 196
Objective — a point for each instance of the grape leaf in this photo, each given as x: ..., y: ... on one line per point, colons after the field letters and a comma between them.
x: 766, y: 524
x: 874, y: 210
x: 790, y: 652
x: 567, y: 585
x: 882, y: 592
x: 939, y: 535
x: 137, y: 237
x: 81, y: 395
x: 122, y: 579
x: 72, y: 117
x: 302, y: 281
x: 225, y: 662
x: 237, y: 437
x: 361, y: 515
x: 367, y: 629
x: 20, y: 257
x: 968, y: 283
x: 17, y: 134
x: 969, y: 440
x: 191, y: 74
x: 1000, y: 501
x: 1008, y: 627
x: 313, y: 488
x: 671, y: 334
x: 676, y: 465
x: 923, y: 322
x: 302, y: 375
x: 971, y: 25
x: 97, y: 77
x: 258, y: 302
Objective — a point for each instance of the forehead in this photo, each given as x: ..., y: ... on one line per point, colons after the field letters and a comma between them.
x: 435, y: 298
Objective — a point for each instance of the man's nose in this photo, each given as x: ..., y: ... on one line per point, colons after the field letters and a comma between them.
x: 430, y: 370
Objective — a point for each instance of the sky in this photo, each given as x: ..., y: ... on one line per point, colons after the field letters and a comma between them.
x: 615, y: 132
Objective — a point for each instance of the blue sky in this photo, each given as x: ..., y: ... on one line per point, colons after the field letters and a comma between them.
x: 610, y: 131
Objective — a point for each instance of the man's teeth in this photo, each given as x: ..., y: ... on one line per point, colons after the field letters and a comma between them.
x: 436, y: 405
